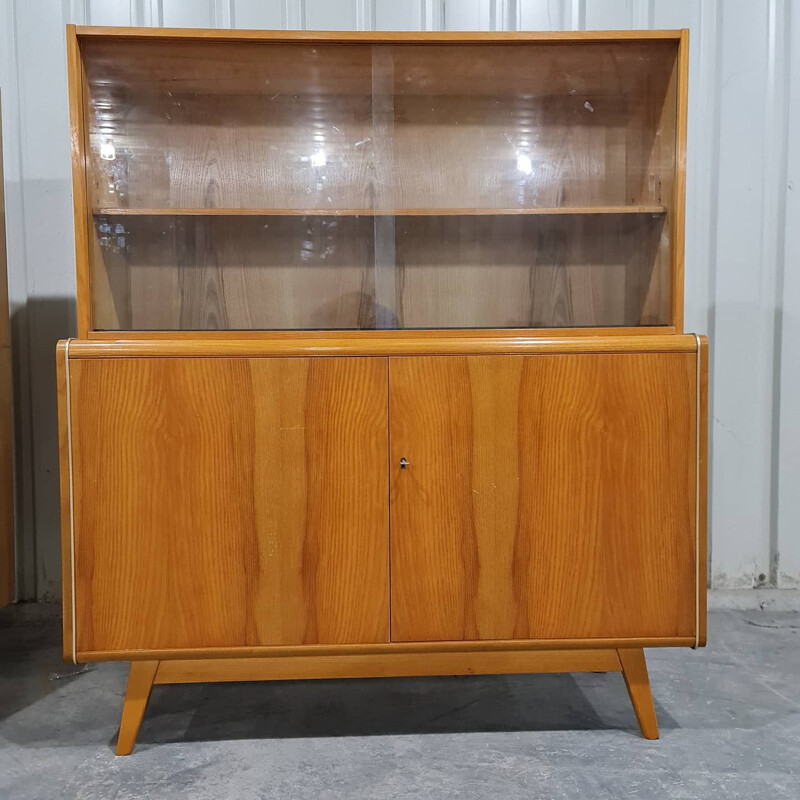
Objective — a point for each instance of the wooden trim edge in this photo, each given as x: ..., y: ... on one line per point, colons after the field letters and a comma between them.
x: 65, y: 504
x: 678, y: 223
x: 388, y: 333
x: 697, y: 497
x: 702, y: 489
x: 71, y: 483
x: 382, y: 346
x: 79, y: 197
x: 393, y: 648
x: 346, y: 37
x: 387, y: 666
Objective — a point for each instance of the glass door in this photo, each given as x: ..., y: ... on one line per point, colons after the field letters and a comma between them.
x: 294, y: 186
x: 532, y: 183
x: 231, y: 185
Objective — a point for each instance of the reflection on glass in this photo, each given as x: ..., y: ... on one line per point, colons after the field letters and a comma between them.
x: 250, y: 185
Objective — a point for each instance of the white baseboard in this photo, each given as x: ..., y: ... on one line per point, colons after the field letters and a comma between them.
x: 753, y: 599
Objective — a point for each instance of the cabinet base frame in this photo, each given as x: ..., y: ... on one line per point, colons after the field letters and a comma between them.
x: 145, y: 674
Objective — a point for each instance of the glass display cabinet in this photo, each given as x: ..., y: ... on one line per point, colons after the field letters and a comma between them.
x: 381, y: 366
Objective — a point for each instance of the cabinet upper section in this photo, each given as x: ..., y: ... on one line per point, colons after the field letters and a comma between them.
x: 280, y: 181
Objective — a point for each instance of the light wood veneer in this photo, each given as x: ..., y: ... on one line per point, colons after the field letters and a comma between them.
x: 546, y: 496
x: 229, y: 502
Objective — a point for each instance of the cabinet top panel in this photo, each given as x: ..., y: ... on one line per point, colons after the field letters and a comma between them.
x: 473, y: 37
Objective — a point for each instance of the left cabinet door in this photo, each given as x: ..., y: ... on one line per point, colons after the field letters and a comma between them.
x: 225, y: 502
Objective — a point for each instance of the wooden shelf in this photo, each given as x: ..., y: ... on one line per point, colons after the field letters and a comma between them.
x: 376, y: 212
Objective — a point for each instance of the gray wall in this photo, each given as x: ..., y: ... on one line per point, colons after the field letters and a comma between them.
x: 743, y: 259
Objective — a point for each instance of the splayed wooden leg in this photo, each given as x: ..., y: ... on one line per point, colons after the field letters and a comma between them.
x: 634, y: 670
x: 140, y: 682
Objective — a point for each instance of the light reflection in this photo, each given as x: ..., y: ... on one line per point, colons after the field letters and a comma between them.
x: 524, y: 163
x: 107, y: 151
x: 319, y: 159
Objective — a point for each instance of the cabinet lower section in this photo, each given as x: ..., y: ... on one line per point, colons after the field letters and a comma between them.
x: 233, y: 513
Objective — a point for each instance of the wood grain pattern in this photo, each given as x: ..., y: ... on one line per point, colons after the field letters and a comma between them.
x: 463, y: 116
x: 386, y: 666
x: 650, y: 143
x: 240, y: 272
x: 385, y: 343
x: 140, y: 684
x: 547, y: 496
x: 535, y: 272
x: 199, y: 125
x: 634, y: 670
x: 111, y: 278
x: 229, y: 502
x: 7, y: 562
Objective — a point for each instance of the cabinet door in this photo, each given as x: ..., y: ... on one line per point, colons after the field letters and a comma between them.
x: 229, y: 502
x: 546, y: 496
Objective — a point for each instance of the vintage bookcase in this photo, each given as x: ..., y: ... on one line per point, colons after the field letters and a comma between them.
x: 381, y: 366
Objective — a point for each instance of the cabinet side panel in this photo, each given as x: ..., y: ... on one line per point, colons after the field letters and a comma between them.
x: 65, y: 491
x: 75, y: 76
x: 702, y: 491
x: 679, y: 188
x: 546, y: 496
x: 7, y: 562
x: 229, y: 502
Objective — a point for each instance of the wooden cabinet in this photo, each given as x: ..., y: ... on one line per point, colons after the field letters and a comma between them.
x: 381, y: 366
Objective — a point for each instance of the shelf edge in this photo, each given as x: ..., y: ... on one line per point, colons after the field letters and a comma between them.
x: 374, y: 212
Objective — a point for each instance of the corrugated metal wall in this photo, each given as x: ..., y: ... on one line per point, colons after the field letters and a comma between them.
x: 743, y: 232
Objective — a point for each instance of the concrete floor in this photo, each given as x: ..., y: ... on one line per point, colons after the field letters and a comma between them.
x: 729, y: 716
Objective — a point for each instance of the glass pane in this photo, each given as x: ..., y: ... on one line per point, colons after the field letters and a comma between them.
x: 536, y: 182
x: 224, y: 180
x: 246, y: 185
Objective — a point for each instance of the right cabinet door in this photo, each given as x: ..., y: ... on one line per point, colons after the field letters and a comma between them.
x: 544, y: 496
